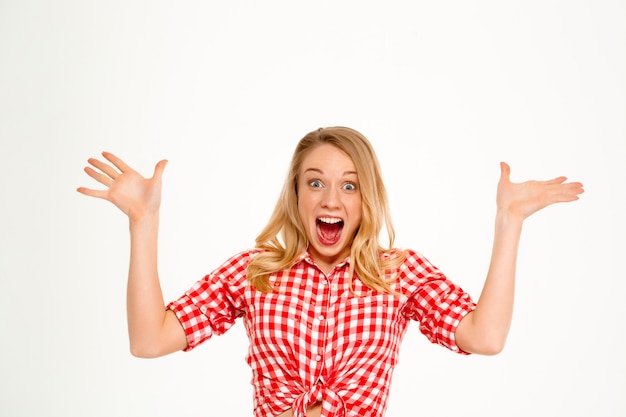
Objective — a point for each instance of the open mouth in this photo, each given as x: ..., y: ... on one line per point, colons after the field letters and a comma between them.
x: 329, y: 229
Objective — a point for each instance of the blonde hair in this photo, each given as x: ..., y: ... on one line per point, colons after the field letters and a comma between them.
x: 366, y: 254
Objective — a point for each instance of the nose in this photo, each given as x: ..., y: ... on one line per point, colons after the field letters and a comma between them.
x: 330, y: 198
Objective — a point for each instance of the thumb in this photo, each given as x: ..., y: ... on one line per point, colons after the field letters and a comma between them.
x: 159, y: 168
x: 505, y: 171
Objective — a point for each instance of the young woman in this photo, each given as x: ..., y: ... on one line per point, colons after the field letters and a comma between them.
x: 324, y: 304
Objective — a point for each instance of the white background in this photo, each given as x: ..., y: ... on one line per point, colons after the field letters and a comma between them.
x: 444, y: 91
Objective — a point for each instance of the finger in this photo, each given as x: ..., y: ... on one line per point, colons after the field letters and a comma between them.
x: 106, y: 168
x: 569, y: 187
x: 574, y: 188
x: 578, y: 186
x: 101, y: 178
x: 158, y: 169
x: 567, y: 192
x: 557, y: 180
x: 119, y: 164
x: 92, y: 193
x: 505, y: 172
x: 565, y: 197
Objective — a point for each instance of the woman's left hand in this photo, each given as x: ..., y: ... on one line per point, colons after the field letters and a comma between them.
x: 523, y: 199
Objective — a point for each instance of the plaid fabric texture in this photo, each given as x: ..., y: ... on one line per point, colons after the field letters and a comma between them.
x: 313, y: 340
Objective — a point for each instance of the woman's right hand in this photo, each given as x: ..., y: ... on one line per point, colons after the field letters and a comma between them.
x: 135, y: 195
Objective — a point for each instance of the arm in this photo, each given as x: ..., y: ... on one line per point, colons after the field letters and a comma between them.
x: 153, y: 330
x: 485, y: 329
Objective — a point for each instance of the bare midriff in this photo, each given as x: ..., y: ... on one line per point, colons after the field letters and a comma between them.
x: 313, y: 411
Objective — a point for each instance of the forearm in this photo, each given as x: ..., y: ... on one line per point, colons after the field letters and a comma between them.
x: 486, y: 329
x: 145, y: 306
x: 152, y: 330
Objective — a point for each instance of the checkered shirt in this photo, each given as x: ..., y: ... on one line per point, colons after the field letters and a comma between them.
x: 313, y: 340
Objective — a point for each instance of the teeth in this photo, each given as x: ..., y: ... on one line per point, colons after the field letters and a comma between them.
x: 329, y: 220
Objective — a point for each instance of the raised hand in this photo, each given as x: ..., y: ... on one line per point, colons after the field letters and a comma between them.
x: 486, y: 328
x: 523, y: 199
x: 126, y: 188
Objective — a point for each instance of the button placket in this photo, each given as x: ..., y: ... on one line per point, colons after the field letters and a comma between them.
x: 319, y: 318
x: 322, y: 315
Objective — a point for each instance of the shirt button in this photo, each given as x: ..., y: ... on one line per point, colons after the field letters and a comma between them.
x: 325, y: 282
x: 318, y: 357
x: 320, y: 317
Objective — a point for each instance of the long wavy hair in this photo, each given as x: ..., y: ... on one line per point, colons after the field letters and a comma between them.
x: 284, y: 239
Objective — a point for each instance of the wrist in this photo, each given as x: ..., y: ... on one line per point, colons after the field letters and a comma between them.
x: 143, y: 221
x: 507, y: 218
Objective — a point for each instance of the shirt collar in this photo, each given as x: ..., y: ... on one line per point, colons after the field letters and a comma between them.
x: 305, y: 256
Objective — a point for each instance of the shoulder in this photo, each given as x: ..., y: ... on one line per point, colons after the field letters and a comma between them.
x: 403, y: 257
x: 237, y: 263
x: 408, y: 264
x: 244, y: 256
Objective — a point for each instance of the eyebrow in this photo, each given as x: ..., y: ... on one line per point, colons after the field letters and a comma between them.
x: 322, y: 172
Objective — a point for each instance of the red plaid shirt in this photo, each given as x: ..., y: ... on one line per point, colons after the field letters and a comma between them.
x: 313, y: 339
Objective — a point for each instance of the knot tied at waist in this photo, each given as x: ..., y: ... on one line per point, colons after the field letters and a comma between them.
x: 331, y: 402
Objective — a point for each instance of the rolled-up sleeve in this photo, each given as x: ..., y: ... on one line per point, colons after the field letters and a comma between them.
x: 435, y: 302
x: 212, y: 304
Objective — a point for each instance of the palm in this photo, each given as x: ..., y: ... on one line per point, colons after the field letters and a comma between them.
x: 126, y: 188
x: 526, y: 198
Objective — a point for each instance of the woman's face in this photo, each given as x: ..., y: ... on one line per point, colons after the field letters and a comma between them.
x: 329, y: 204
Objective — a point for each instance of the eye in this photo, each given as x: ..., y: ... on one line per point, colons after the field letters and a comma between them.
x: 349, y: 186
x: 315, y: 184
